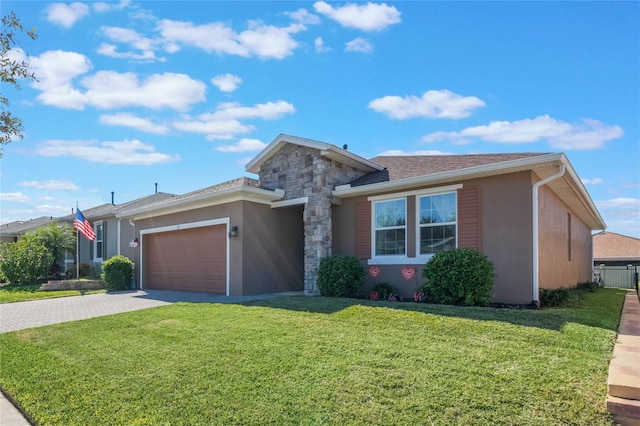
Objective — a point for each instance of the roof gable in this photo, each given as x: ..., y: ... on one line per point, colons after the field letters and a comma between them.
x: 332, y: 152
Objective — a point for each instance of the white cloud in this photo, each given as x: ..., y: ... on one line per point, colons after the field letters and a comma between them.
x: 226, y: 82
x: 359, y: 45
x: 263, y: 41
x: 16, y: 197
x: 590, y: 134
x: 51, y: 185
x: 105, y: 7
x: 126, y: 152
x: 368, y: 17
x: 110, y: 89
x: 593, y: 181
x: 55, y: 70
x: 224, y: 122
x: 130, y: 120
x: 319, y: 45
x: 144, y: 45
x: 304, y: 17
x: 621, y: 214
x: 243, y: 145
x: 267, y: 111
x: 66, y: 15
x: 432, y: 104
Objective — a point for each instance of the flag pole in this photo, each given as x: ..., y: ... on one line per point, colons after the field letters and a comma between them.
x: 77, y: 251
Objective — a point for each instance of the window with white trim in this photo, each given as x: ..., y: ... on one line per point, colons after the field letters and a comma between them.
x: 437, y: 218
x: 390, y: 227
x: 98, y: 243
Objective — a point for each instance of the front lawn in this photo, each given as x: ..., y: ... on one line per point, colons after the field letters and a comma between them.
x: 21, y: 293
x: 313, y: 361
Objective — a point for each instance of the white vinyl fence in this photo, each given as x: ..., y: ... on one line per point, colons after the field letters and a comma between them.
x: 617, y: 276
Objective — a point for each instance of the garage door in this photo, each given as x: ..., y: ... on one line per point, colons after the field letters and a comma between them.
x: 191, y: 259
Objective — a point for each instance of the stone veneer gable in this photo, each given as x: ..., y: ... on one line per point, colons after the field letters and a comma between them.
x: 303, y: 172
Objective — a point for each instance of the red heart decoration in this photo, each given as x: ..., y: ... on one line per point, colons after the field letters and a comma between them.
x: 374, y: 271
x: 408, y: 272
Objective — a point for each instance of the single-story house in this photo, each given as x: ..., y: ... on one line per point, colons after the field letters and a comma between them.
x: 113, y: 235
x: 613, y: 249
x: 10, y: 232
x: 528, y: 213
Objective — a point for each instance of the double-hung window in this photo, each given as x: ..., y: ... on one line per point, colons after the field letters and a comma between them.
x: 98, y: 243
x: 437, y: 223
x: 390, y: 227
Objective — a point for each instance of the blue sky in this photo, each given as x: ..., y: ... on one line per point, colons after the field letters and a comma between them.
x: 183, y: 94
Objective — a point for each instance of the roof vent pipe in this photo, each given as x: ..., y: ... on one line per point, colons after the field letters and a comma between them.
x: 536, y: 248
x: 112, y: 203
x: 156, y: 187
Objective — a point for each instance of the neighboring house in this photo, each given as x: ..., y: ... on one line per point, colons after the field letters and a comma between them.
x: 613, y: 249
x: 10, y: 232
x: 113, y: 236
x: 529, y: 213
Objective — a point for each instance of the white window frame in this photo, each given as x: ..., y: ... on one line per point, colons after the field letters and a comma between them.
x: 404, y: 259
x: 96, y: 241
x: 423, y: 258
x: 382, y: 258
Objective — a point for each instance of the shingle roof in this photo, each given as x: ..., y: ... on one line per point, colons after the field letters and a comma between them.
x: 239, y: 182
x: 612, y: 246
x: 401, y: 167
x: 21, y: 226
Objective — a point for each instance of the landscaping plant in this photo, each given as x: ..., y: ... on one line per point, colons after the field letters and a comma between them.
x: 340, y: 276
x: 25, y: 261
x: 460, y: 276
x: 117, y: 272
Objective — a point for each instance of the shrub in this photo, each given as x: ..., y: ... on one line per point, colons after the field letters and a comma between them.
x: 460, y: 276
x: 25, y: 261
x: 554, y: 297
x: 85, y: 270
x: 384, y: 290
x: 340, y: 276
x: 117, y: 272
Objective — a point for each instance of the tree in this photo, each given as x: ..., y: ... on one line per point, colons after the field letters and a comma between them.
x: 59, y: 240
x: 12, y: 69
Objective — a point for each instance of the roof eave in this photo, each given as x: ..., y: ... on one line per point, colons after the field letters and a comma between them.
x: 237, y: 193
x: 538, y: 164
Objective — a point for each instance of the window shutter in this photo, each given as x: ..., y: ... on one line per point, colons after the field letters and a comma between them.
x: 469, y: 218
x: 363, y: 229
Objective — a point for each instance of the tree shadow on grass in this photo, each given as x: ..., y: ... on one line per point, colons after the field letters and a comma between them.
x: 600, y: 309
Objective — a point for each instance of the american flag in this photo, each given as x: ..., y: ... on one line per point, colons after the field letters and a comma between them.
x: 82, y: 225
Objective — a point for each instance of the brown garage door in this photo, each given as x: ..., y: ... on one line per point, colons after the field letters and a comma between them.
x: 190, y: 259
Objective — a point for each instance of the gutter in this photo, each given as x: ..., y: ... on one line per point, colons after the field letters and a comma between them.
x: 536, y: 248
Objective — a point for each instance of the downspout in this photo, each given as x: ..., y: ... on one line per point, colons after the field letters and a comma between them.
x: 536, y: 249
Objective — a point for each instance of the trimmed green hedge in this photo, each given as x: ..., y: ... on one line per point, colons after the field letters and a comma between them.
x: 117, y: 272
x: 340, y: 276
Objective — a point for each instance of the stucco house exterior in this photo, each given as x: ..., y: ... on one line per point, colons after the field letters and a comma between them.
x: 528, y: 212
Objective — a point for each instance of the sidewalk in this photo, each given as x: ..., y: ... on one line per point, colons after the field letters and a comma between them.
x: 623, y: 400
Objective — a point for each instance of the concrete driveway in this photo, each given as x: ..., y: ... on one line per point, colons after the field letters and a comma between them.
x: 36, y: 313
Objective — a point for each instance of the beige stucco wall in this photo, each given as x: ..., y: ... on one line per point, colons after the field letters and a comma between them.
x: 557, y: 267
x: 267, y: 254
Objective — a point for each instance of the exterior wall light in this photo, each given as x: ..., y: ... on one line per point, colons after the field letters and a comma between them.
x: 233, y: 232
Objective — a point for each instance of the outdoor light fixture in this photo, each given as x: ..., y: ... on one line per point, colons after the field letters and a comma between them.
x: 134, y: 243
x: 233, y: 232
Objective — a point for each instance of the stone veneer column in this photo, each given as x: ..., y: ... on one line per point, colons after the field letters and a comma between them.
x: 304, y: 172
x: 317, y: 226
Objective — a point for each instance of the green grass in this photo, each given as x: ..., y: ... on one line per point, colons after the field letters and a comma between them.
x: 21, y: 293
x: 314, y: 361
